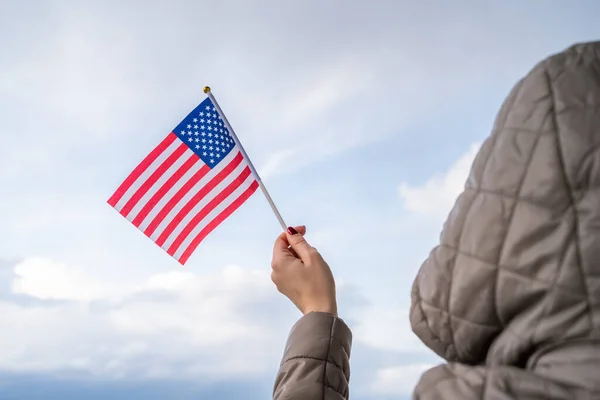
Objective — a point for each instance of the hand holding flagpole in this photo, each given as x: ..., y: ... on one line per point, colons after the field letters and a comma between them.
x: 243, y: 151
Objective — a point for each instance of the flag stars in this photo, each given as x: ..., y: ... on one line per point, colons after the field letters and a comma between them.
x: 206, y: 133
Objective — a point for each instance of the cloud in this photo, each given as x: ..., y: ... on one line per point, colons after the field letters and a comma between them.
x: 434, y: 199
x: 103, y: 85
x: 48, y: 280
x: 228, y: 324
x: 387, y: 328
x: 398, y: 380
x: 175, y: 325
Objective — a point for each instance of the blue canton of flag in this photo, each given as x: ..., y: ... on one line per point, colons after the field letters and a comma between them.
x: 205, y: 133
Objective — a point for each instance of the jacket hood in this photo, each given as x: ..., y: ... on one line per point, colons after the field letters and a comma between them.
x: 517, y: 270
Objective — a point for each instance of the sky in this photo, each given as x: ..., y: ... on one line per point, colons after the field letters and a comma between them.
x: 363, y: 119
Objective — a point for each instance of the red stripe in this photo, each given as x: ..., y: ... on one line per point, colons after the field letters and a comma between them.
x: 153, y: 178
x: 217, y: 179
x: 211, y: 205
x: 135, y: 174
x: 160, y: 193
x: 217, y: 221
x: 175, y: 199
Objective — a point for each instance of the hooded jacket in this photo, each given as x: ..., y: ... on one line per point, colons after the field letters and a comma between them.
x: 510, y: 297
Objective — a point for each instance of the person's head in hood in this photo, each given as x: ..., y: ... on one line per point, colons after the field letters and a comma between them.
x: 511, y: 296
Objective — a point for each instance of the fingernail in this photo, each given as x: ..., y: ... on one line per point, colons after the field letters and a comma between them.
x: 292, y: 231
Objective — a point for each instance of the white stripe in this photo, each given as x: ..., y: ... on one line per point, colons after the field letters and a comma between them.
x: 159, y: 182
x: 171, y: 193
x: 147, y: 172
x: 200, y: 205
x: 213, y: 214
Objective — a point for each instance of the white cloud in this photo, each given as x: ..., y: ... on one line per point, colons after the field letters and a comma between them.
x: 232, y: 323
x: 91, y: 84
x: 388, y: 329
x: 49, y: 280
x: 435, y: 198
x: 398, y: 380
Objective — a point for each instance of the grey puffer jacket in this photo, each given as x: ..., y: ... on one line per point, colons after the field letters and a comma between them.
x: 511, y: 295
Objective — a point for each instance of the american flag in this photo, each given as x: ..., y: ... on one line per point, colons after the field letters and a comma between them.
x: 190, y: 183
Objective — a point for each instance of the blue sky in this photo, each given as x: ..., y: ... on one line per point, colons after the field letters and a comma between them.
x: 363, y: 119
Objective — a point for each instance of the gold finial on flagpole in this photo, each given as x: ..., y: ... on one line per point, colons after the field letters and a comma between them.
x: 206, y: 89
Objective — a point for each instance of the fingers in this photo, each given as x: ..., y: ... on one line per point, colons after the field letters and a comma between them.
x: 282, y: 243
x: 282, y: 246
x: 296, y: 240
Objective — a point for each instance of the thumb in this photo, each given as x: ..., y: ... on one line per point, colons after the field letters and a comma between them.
x: 298, y: 243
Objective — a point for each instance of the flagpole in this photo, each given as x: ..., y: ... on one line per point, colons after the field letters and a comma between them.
x: 252, y: 169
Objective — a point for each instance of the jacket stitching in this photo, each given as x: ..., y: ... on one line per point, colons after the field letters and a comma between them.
x: 485, y: 384
x: 561, y: 159
x: 453, y: 269
x: 577, y: 107
x: 453, y: 376
x: 510, y: 270
x: 325, y: 382
x: 512, y: 212
x: 528, y: 200
x: 315, y: 359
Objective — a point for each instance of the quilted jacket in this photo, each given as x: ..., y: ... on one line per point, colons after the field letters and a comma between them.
x: 511, y: 295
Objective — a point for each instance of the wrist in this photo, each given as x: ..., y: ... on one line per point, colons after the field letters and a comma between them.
x: 322, y: 308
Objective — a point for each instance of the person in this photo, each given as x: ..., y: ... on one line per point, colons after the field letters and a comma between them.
x: 510, y: 297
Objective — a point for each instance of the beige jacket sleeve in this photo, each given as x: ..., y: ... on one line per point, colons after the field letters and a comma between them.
x: 316, y: 361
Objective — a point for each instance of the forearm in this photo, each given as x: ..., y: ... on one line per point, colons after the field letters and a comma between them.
x: 316, y: 361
